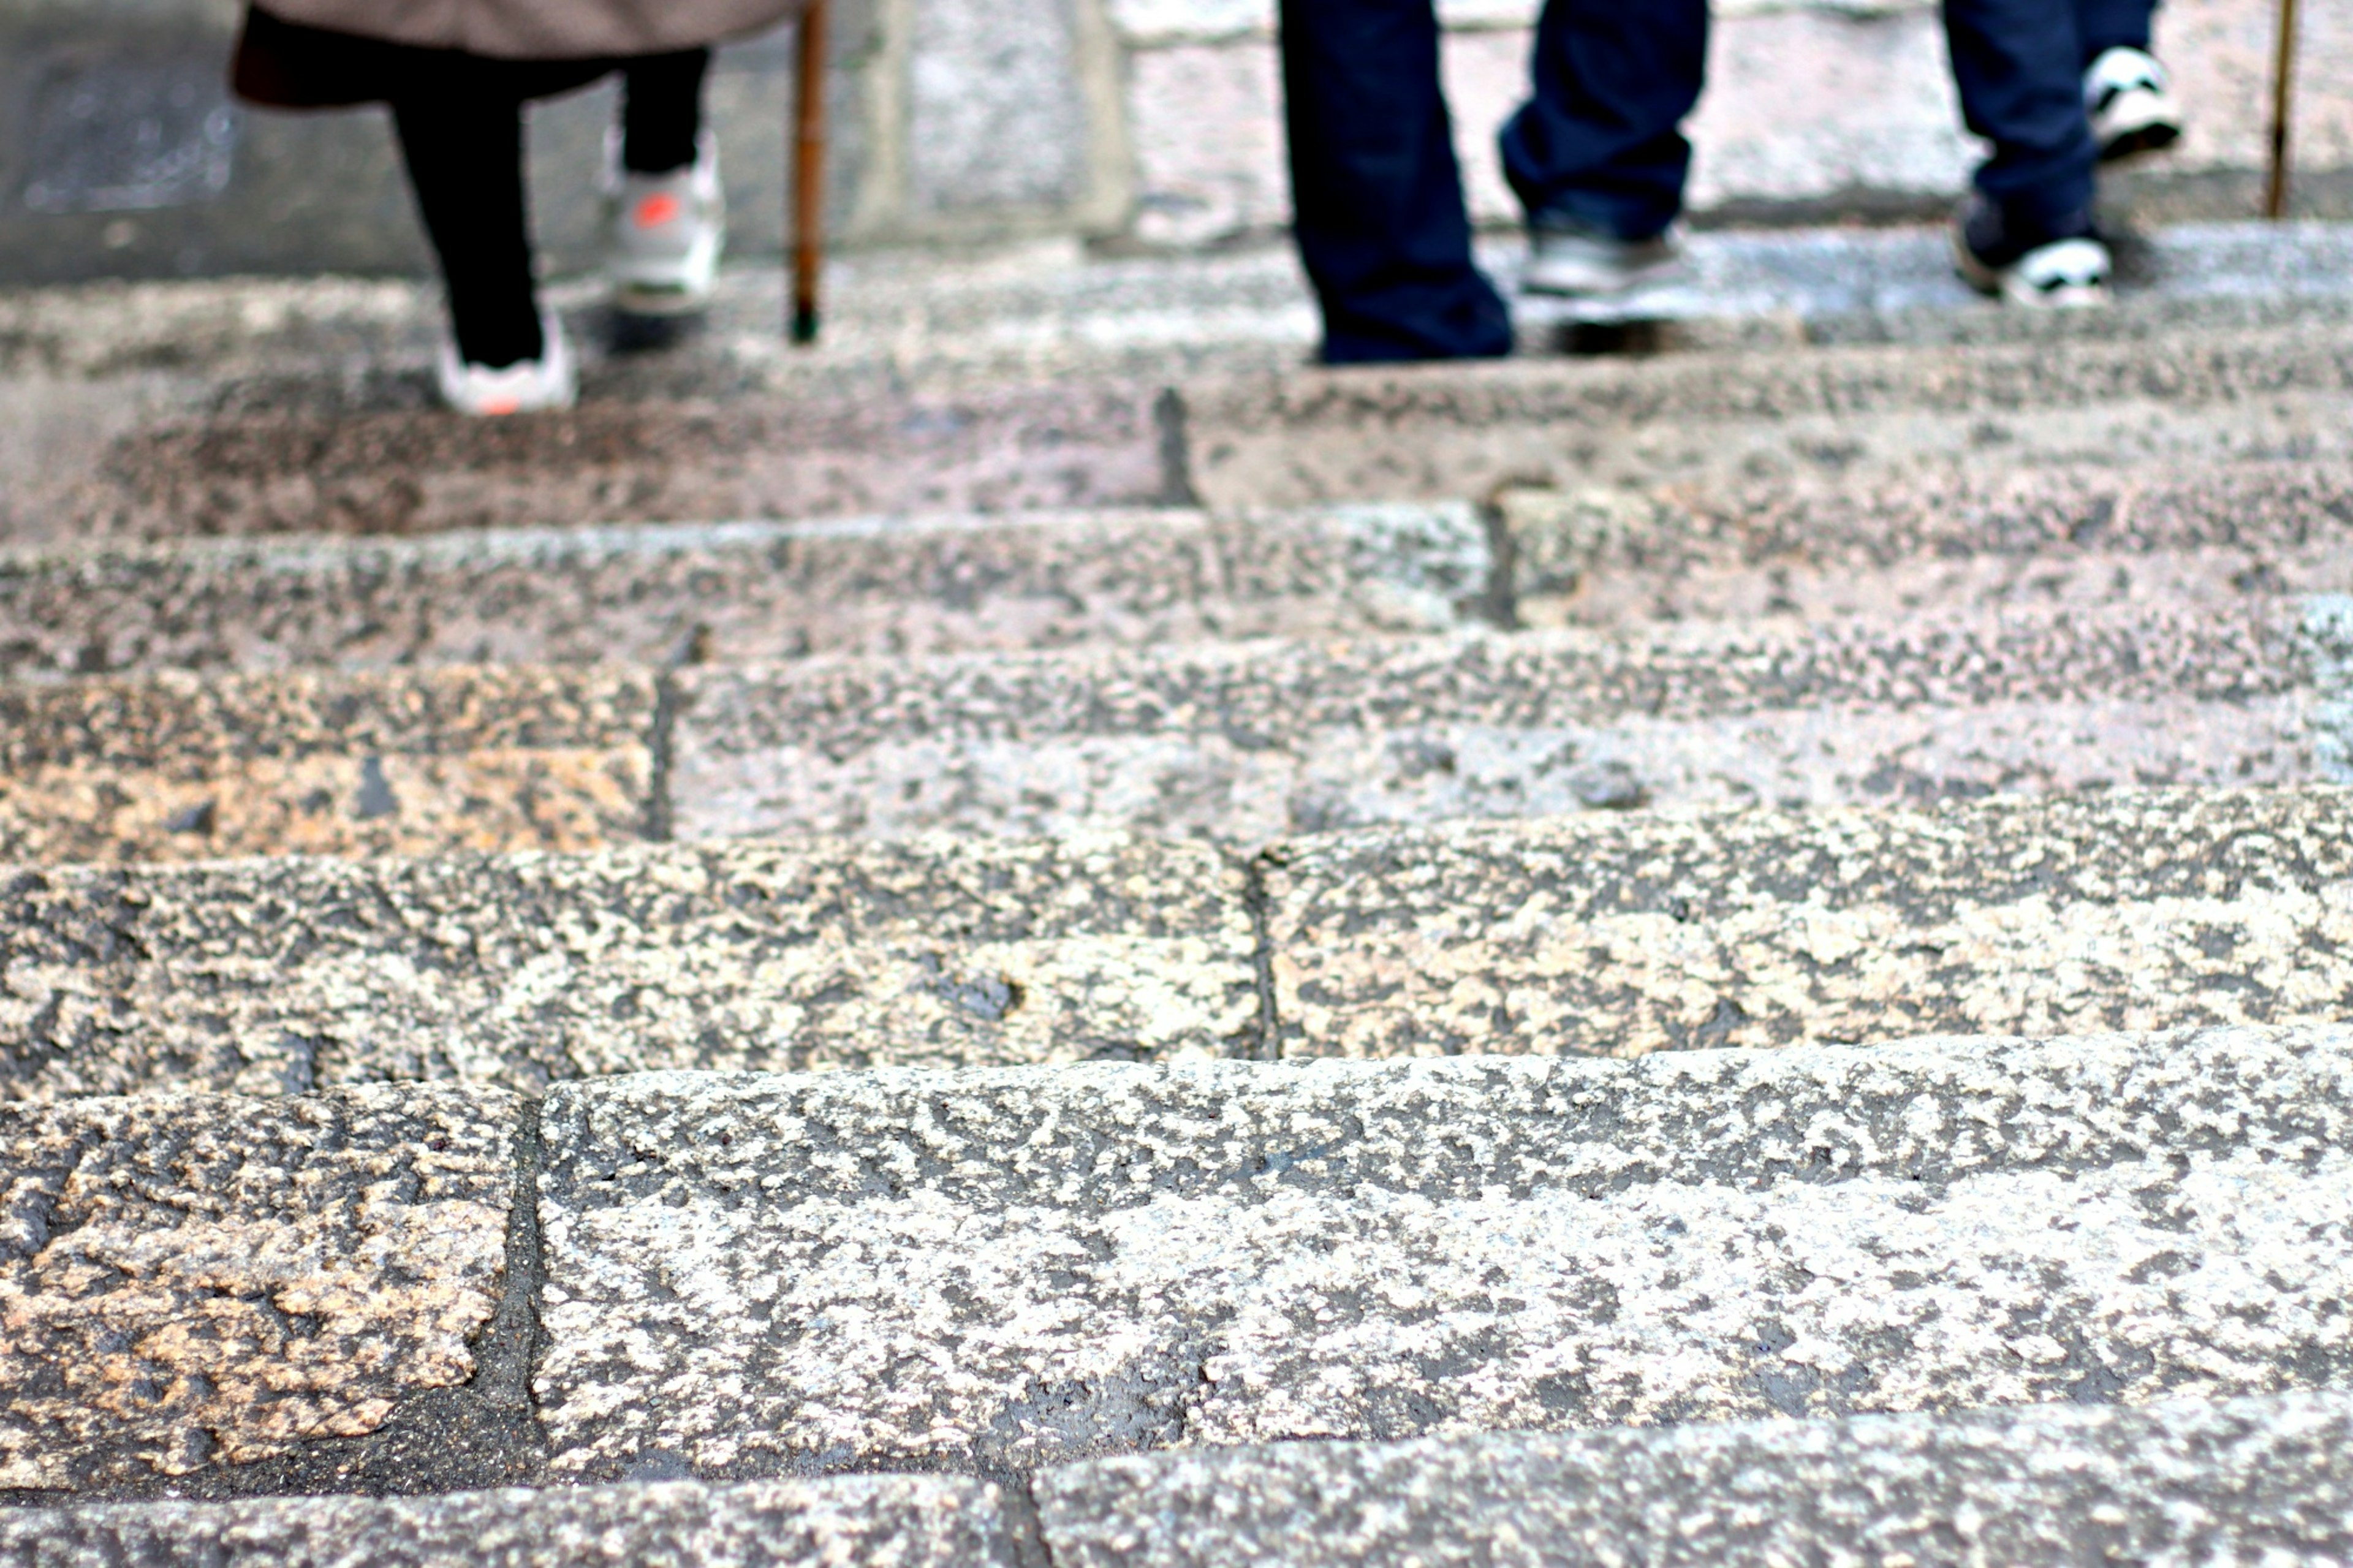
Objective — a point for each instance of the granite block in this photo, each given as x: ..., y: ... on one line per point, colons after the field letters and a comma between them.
x: 1245, y: 743
x: 1620, y: 936
x: 269, y: 977
x: 175, y: 767
x: 2249, y: 1480
x: 737, y: 593
x: 881, y: 1522
x: 1020, y: 1267
x: 191, y: 1282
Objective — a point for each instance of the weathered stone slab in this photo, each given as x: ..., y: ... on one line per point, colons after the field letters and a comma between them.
x: 2253, y: 1480
x: 2085, y: 535
x: 1014, y: 1267
x: 729, y: 453
x: 1629, y: 934
x: 178, y: 767
x: 878, y: 1522
x: 195, y: 1282
x: 744, y: 592
x: 272, y: 975
x: 1252, y: 742
x: 1399, y: 434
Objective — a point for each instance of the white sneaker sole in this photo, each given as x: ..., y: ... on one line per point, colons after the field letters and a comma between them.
x: 1587, y: 279
x: 668, y: 288
x: 535, y: 387
x: 2015, y: 285
x: 2137, y: 123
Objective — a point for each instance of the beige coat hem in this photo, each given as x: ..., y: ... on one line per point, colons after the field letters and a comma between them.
x: 543, y: 30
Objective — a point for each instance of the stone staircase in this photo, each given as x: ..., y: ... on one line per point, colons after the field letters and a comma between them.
x: 1729, y: 955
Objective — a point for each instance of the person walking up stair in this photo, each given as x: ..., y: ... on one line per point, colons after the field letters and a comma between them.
x: 1597, y: 157
x: 2059, y: 89
x: 456, y: 78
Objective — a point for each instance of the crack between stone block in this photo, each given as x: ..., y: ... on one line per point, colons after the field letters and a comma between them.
x: 1499, y: 605
x: 1168, y: 416
x: 661, y: 815
x: 1261, y: 904
x: 1025, y: 1524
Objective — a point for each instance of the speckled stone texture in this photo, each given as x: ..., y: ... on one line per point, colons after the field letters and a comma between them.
x: 876, y: 1521
x: 1018, y: 1266
x: 1466, y: 430
x: 2076, y: 534
x: 192, y: 1282
x: 2266, y: 1481
x: 657, y: 594
x: 266, y: 975
x: 1623, y: 935
x: 180, y: 767
x: 1253, y: 743
x: 729, y: 452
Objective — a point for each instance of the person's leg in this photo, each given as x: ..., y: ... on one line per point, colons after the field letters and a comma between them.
x: 661, y: 110
x: 2104, y: 25
x: 464, y: 150
x: 2020, y: 68
x: 1380, y: 220
x: 1599, y: 145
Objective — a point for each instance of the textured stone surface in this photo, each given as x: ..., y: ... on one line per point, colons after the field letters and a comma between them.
x: 2255, y: 1481
x: 176, y: 767
x: 1315, y: 436
x: 1631, y: 934
x: 363, y: 471
x: 279, y: 404
x: 1250, y: 742
x: 1011, y: 1266
x: 263, y: 976
x: 745, y: 592
x: 884, y: 1521
x: 190, y: 1283
x: 2089, y: 535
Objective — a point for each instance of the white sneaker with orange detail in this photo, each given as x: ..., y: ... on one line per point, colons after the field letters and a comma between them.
x: 530, y: 386
x: 663, y: 233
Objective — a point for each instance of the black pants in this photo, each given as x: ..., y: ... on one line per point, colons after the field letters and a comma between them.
x: 1376, y: 192
x: 2020, y: 68
x: 460, y: 127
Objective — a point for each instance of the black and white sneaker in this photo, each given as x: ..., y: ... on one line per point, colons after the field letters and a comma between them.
x: 2048, y: 271
x: 2130, y: 100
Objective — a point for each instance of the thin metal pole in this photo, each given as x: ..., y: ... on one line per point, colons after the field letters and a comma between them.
x: 808, y: 173
x: 2283, y: 113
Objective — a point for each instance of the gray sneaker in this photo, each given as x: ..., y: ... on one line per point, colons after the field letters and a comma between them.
x: 663, y: 233
x: 1582, y: 262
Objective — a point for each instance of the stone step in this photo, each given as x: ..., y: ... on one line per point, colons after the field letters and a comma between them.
x: 730, y: 1276
x: 744, y: 592
x: 876, y: 1521
x: 1829, y: 545
x: 2254, y: 1479
x: 1471, y: 429
x: 1248, y: 743
x: 263, y: 976
x: 1592, y: 555
x: 714, y: 439
x: 1240, y: 743
x: 1011, y: 1267
x: 2248, y: 1481
x: 1602, y: 934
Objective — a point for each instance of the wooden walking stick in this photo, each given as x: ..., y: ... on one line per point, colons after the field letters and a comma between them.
x: 2282, y: 110
x: 808, y: 173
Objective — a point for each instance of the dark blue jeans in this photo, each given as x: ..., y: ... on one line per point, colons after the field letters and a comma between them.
x: 1378, y: 194
x: 2020, y: 68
